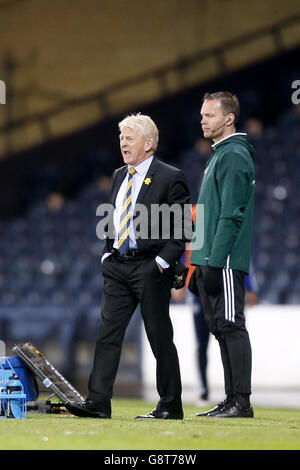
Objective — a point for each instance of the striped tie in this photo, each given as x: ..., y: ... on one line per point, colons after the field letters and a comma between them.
x: 123, y: 234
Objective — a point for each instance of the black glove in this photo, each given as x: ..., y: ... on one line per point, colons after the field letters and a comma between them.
x: 192, y: 287
x: 212, y: 280
x: 180, y: 275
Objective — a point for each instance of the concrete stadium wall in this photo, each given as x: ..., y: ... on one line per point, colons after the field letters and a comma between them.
x: 274, y: 334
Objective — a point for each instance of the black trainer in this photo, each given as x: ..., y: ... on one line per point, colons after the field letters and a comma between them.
x: 216, y: 409
x: 234, y: 410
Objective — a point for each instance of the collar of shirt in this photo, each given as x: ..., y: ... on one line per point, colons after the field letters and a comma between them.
x: 225, y: 138
x: 143, y: 167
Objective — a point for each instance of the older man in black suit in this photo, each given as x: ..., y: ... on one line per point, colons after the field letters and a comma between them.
x: 139, y: 268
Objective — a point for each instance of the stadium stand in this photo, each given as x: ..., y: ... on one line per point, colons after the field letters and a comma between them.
x: 50, y: 272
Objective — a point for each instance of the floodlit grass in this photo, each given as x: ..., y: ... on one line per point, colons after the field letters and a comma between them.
x: 270, y: 429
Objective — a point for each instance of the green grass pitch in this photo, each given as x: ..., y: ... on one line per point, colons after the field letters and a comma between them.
x: 271, y: 429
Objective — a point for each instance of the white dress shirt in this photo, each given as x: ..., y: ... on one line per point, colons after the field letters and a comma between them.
x: 137, y: 181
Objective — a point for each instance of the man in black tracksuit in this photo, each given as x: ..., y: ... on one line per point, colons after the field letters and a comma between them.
x: 223, y: 260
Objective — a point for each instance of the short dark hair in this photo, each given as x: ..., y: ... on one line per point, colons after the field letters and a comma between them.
x: 229, y: 102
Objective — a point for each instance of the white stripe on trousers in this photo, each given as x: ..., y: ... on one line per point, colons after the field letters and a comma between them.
x: 228, y: 286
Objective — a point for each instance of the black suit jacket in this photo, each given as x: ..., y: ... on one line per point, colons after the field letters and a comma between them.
x: 167, y: 185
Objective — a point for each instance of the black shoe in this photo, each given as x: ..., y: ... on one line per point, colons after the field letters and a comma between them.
x: 234, y: 410
x: 216, y: 409
x: 87, y: 409
x: 160, y: 414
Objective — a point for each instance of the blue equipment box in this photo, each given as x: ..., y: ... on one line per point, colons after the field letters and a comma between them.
x: 12, y: 396
x: 27, y: 378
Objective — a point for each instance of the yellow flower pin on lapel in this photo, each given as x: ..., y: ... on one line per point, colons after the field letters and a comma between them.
x: 147, y: 181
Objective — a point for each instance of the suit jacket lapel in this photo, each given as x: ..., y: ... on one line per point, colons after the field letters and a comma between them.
x: 117, y: 184
x: 145, y: 187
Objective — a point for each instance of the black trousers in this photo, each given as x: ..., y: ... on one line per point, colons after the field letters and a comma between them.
x: 225, y: 317
x: 127, y: 283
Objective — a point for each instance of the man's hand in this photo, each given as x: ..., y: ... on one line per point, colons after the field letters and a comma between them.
x: 212, y: 280
x: 193, y: 288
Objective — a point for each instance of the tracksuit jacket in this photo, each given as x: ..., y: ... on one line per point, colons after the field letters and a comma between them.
x: 227, y: 195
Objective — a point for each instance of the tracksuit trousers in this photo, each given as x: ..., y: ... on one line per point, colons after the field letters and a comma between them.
x: 224, y: 313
